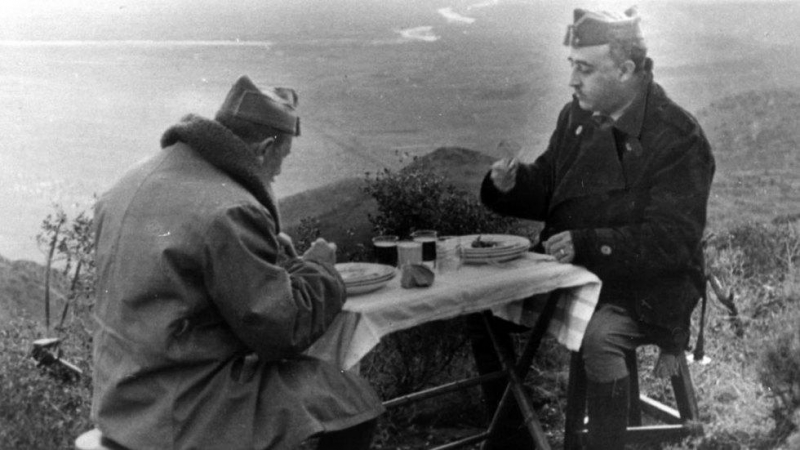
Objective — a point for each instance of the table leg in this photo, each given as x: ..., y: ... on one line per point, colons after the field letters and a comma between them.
x: 516, y: 374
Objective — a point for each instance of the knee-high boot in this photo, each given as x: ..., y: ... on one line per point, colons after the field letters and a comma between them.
x: 608, y: 405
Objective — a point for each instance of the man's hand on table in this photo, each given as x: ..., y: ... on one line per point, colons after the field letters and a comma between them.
x: 560, y: 245
x: 321, y: 251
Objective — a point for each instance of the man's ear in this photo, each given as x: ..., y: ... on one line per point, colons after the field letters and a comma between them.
x: 626, y: 70
x: 262, y: 148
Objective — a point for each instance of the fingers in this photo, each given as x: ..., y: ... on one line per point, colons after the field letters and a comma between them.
x: 560, y: 246
x: 504, y: 174
x: 327, y: 245
x: 322, y: 251
x: 509, y: 148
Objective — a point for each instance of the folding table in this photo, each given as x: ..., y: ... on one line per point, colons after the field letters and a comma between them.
x: 513, y: 290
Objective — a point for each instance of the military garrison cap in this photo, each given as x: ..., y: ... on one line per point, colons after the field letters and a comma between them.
x: 273, y: 107
x: 599, y: 27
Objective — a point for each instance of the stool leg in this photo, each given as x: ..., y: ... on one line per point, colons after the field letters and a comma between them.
x: 684, y: 392
x: 634, y: 410
x: 576, y: 402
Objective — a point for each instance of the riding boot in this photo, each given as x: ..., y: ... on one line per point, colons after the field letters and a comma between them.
x: 608, y: 405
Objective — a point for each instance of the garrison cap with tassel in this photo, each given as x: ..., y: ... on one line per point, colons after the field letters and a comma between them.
x: 273, y: 107
x: 600, y: 27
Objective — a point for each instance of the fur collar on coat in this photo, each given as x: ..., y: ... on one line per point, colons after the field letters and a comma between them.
x: 221, y: 148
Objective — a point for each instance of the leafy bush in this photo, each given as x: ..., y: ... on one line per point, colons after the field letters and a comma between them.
x: 416, y: 199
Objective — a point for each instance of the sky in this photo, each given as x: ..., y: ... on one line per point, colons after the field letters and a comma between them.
x: 214, y: 19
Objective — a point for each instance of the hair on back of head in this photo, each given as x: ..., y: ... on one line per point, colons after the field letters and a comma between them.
x: 624, y: 48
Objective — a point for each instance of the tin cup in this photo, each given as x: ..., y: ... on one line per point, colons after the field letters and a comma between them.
x: 428, y: 240
x: 385, y: 249
x: 409, y: 252
x: 448, y: 254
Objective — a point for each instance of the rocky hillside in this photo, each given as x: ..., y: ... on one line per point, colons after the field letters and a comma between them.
x: 22, y: 290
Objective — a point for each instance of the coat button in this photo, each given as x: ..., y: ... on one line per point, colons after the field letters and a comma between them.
x: 606, y: 250
x: 578, y: 130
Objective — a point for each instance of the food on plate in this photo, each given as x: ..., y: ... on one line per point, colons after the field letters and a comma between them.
x: 480, y: 243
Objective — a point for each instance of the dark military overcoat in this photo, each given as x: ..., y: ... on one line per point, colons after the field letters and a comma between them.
x: 634, y: 195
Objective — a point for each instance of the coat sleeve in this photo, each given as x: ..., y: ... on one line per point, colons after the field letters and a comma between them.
x: 276, y: 311
x: 530, y: 197
x: 669, y: 234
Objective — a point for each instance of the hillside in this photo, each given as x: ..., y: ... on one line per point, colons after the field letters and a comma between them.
x: 756, y: 141
x: 22, y: 290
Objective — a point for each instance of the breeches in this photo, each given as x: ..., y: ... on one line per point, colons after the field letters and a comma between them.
x: 611, y: 332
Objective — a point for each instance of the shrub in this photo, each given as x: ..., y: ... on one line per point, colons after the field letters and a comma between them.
x: 417, y: 198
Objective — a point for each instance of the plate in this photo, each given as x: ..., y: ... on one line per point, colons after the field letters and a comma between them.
x: 507, y: 244
x: 376, y: 280
x: 361, y: 273
x: 365, y: 288
x: 494, y: 258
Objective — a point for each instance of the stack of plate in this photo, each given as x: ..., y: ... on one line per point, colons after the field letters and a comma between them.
x: 360, y: 278
x: 493, y: 248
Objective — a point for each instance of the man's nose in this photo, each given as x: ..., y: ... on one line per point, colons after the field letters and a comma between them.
x: 574, y: 79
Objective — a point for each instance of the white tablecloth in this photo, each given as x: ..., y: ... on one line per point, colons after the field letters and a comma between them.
x: 500, y: 288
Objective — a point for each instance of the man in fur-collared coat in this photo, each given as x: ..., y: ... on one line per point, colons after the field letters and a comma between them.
x: 622, y: 189
x: 200, y: 329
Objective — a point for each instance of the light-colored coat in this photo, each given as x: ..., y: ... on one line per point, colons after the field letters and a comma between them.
x: 200, y: 329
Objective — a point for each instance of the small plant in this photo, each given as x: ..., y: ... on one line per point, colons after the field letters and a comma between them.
x: 68, y: 243
x: 415, y: 198
x: 307, y: 233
